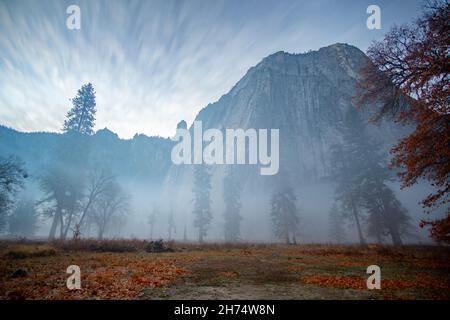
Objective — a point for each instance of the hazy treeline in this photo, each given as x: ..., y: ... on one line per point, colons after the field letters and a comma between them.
x: 79, y: 192
x: 76, y: 194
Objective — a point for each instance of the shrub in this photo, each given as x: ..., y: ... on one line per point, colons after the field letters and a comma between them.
x: 157, y: 246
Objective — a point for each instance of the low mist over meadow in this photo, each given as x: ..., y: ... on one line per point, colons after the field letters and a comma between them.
x: 87, y: 183
x: 239, y: 151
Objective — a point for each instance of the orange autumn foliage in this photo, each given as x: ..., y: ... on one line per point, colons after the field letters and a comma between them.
x: 408, y: 77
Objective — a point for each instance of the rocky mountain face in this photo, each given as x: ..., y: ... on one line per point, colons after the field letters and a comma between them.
x: 305, y: 96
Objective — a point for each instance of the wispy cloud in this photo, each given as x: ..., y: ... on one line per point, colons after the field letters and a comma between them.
x: 154, y: 63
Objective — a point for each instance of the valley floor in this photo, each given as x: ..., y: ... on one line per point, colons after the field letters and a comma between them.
x: 126, y: 270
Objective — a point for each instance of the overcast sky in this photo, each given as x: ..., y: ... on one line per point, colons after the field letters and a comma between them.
x: 154, y: 63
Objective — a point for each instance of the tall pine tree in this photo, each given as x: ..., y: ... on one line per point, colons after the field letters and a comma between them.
x: 336, y: 224
x: 386, y: 215
x: 284, y: 211
x: 151, y: 220
x: 202, y: 201
x: 81, y: 118
x: 349, y: 161
x: 171, y: 227
x: 64, y: 181
x: 232, y: 198
x: 361, y: 175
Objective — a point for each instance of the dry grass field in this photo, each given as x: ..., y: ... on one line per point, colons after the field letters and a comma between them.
x: 128, y: 269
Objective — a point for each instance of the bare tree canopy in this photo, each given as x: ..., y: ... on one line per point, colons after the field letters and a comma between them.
x: 408, y: 78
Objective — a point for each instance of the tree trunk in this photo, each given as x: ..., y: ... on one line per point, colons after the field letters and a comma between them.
x: 200, y: 235
x: 52, y: 233
x: 85, y: 210
x: 287, y: 238
x: 102, y: 228
x: 379, y: 237
x: 61, y: 227
x: 69, y: 222
x: 358, y: 226
x: 396, y: 239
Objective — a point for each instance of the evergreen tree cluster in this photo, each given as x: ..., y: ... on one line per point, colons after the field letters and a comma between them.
x: 362, y: 192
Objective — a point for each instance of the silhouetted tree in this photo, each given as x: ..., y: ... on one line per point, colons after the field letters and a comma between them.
x: 349, y: 166
x: 64, y: 181
x: 336, y: 224
x: 185, y: 238
x: 109, y: 206
x: 151, y: 220
x: 385, y: 214
x: 81, y: 118
x: 24, y: 218
x: 361, y: 175
x: 202, y: 201
x: 284, y: 211
x: 232, y: 198
x: 12, y: 175
x: 99, y: 182
x: 171, y: 227
x: 63, y: 187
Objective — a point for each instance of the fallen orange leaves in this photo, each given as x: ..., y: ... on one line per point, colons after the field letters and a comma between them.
x: 103, y: 276
x: 359, y: 283
x: 125, y: 275
x: 347, y: 282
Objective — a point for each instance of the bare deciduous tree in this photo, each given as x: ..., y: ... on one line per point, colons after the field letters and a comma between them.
x: 110, y: 205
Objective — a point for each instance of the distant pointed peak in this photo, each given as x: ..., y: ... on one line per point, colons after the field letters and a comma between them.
x: 106, y: 132
x: 182, y: 125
